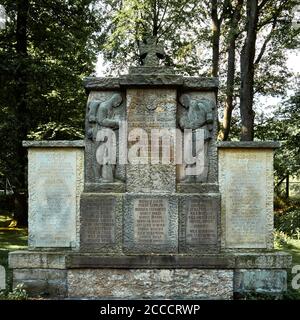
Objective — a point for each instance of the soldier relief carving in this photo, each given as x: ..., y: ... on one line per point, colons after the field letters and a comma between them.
x: 197, y: 115
x: 101, y: 116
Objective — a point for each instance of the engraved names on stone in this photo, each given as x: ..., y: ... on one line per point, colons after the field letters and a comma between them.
x: 246, y: 181
x: 201, y: 225
x: 150, y: 221
x: 98, y: 221
x: 52, y: 198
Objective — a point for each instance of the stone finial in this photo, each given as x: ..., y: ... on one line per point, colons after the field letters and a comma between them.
x: 151, y: 51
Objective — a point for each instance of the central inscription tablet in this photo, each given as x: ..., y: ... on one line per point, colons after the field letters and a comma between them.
x: 151, y: 220
x: 150, y: 224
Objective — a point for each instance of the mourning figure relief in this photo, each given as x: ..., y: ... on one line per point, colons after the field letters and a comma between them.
x: 198, y: 116
x: 101, y: 116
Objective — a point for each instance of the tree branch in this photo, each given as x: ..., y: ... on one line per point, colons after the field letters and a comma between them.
x: 163, y: 15
x: 264, y: 46
x: 262, y: 4
x: 269, y: 37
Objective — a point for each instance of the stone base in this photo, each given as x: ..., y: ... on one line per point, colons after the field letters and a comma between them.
x: 205, y: 276
x: 150, y: 283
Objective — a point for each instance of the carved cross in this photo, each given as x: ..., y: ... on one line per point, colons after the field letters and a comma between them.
x: 151, y: 52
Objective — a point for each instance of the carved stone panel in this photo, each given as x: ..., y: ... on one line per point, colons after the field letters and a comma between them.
x: 100, y: 221
x: 199, y: 223
x: 104, y: 113
x: 148, y: 110
x: 150, y: 224
x: 197, y: 112
x: 246, y: 185
x: 55, y: 180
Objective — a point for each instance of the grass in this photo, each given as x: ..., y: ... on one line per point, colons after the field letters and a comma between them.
x: 11, y: 239
x: 291, y: 246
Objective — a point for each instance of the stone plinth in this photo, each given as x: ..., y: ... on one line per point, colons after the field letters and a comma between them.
x: 204, y: 276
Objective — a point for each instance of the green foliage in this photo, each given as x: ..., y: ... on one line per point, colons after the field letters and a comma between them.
x: 55, y: 131
x: 18, y: 293
x: 288, y: 222
x: 61, y: 48
x: 284, y: 126
x: 176, y: 22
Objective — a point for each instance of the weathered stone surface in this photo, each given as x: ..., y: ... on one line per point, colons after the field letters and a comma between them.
x: 149, y: 109
x: 2, y: 278
x: 100, y: 222
x: 260, y: 281
x: 155, y: 80
x: 98, y: 84
x: 205, y: 261
x: 42, y: 282
x: 151, y: 51
x: 150, y: 283
x: 199, y: 217
x: 201, y: 84
x: 249, y: 144
x: 266, y: 260
x: 55, y: 181
x: 114, y: 187
x: 151, y: 70
x: 246, y: 185
x: 197, y: 187
x: 54, y: 144
x: 41, y: 260
x: 152, y: 76
x: 150, y: 223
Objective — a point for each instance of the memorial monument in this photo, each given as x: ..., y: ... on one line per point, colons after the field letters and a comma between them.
x: 150, y: 205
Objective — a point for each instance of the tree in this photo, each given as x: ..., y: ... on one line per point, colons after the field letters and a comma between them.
x: 241, y: 45
x: 46, y: 48
x: 175, y: 22
x: 272, y: 34
x: 247, y: 72
x: 231, y: 67
x: 284, y: 126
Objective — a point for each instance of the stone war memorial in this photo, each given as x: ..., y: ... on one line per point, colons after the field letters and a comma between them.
x: 150, y: 205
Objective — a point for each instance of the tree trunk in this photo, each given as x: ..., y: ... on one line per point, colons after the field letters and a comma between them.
x: 247, y: 73
x: 21, y: 110
x: 231, y: 71
x: 229, y: 91
x: 216, y: 32
x: 287, y: 187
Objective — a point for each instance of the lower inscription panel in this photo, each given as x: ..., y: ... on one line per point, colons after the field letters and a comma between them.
x: 150, y: 224
x: 100, y: 221
x: 199, y: 222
